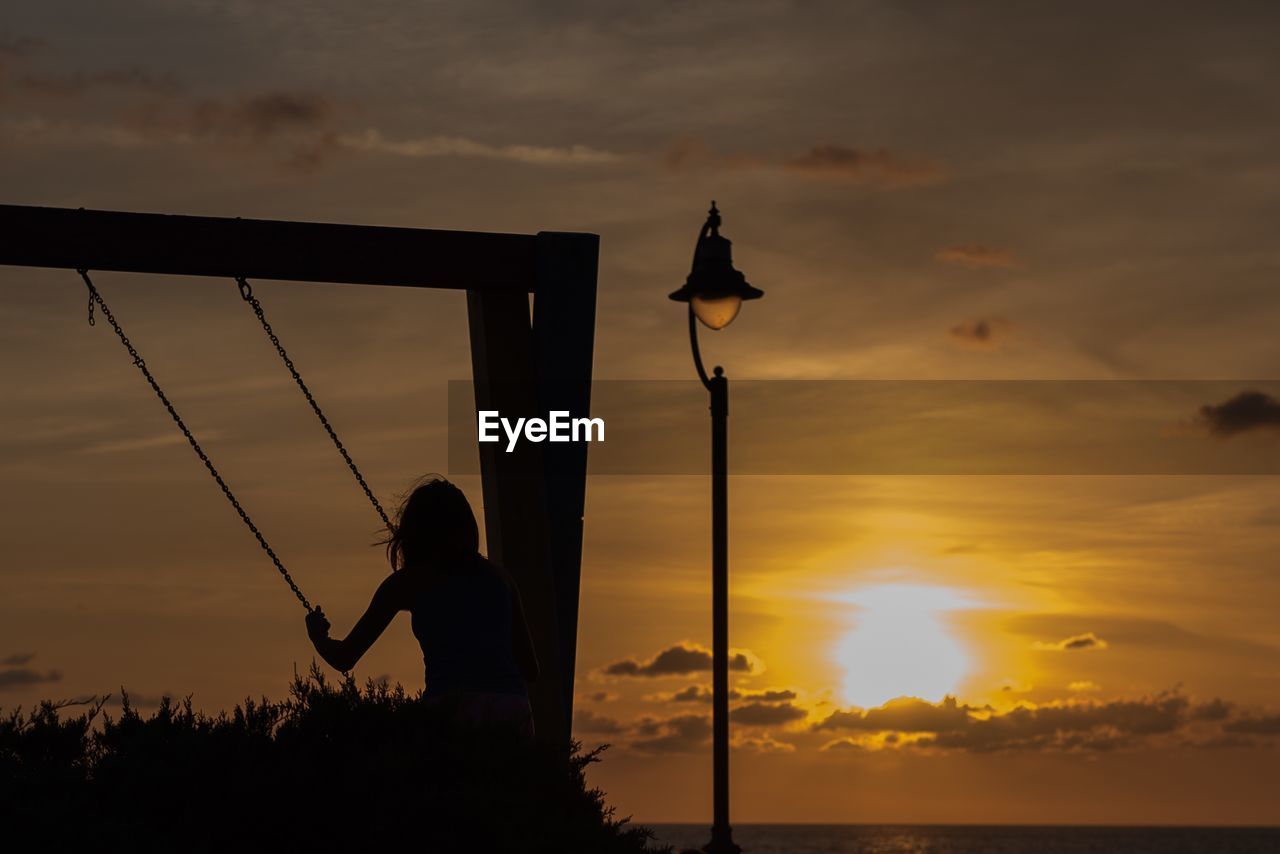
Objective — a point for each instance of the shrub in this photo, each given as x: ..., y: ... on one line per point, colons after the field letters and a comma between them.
x: 332, y: 767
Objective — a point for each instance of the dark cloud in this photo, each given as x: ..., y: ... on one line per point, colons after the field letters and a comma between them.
x: 12, y: 52
x: 1070, y: 726
x: 1224, y: 742
x: 1262, y: 725
x: 260, y: 116
x: 690, y: 153
x: 17, y: 659
x: 770, y: 696
x: 1101, y: 726
x: 762, y: 744
x: 17, y: 48
x: 825, y: 162
x: 257, y: 115
x: 306, y: 129
x: 15, y: 677
x: 694, y: 694
x: 79, y: 83
x: 1214, y: 710
x: 702, y: 694
x: 136, y: 700
x: 973, y: 330
x: 983, y: 332
x: 300, y: 130
x: 767, y: 714
x: 1137, y: 631
x: 680, y: 734
x: 681, y: 659
x: 1088, y: 640
x: 903, y: 715
x: 163, y: 113
x: 586, y: 721
x: 976, y: 255
x: 1248, y: 410
x: 684, y: 152
x: 880, y: 166
x: 20, y: 45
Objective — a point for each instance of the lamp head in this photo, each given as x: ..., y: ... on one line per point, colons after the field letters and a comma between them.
x: 714, y: 288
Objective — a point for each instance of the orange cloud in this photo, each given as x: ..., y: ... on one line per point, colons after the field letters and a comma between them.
x: 824, y: 162
x: 976, y: 255
x: 372, y: 140
x: 880, y: 166
x: 1084, y: 685
x: 691, y: 152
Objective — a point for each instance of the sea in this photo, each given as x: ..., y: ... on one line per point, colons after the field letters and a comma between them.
x: 977, y: 839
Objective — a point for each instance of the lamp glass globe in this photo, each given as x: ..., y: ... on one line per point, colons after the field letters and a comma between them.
x: 716, y: 313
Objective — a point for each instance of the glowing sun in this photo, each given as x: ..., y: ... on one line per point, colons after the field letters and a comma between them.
x: 900, y: 645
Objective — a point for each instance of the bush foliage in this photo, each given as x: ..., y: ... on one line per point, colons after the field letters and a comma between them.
x: 333, y: 767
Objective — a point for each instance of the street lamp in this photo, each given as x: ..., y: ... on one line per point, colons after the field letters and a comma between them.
x: 715, y: 292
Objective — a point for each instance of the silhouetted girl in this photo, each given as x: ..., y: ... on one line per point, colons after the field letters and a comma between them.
x: 466, y: 612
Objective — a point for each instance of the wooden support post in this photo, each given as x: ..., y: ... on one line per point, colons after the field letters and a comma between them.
x: 515, y: 511
x: 564, y: 317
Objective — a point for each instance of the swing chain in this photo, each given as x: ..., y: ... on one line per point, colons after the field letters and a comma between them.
x: 95, y: 297
x: 246, y: 293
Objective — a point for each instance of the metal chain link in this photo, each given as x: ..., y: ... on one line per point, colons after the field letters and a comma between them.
x: 95, y: 297
x: 246, y: 293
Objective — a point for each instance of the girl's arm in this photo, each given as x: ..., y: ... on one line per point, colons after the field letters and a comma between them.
x: 388, y: 600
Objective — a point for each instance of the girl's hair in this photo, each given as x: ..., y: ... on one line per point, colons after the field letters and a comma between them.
x: 434, y: 521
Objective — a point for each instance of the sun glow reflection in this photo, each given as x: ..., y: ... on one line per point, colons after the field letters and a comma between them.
x: 900, y: 645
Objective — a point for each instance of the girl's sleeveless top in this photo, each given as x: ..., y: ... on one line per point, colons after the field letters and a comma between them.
x: 463, y: 622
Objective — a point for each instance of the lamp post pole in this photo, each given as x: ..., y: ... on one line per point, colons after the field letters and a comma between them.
x: 721, y: 833
x: 717, y: 387
x: 715, y: 292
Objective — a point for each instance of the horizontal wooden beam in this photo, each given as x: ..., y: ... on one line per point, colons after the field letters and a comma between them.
x: 266, y: 249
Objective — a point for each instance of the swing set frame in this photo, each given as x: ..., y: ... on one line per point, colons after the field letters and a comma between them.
x: 522, y: 362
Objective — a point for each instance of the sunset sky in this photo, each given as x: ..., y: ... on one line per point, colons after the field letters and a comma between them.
x: 979, y: 191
